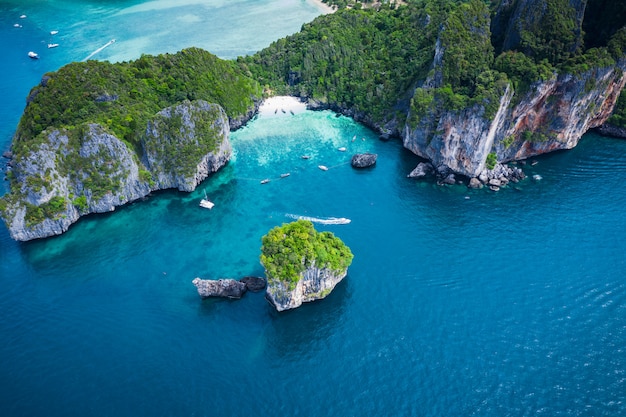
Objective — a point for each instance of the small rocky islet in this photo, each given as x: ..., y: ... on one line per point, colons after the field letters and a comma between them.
x: 301, y: 265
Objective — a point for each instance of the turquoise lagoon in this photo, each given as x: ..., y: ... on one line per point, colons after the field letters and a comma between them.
x: 500, y: 304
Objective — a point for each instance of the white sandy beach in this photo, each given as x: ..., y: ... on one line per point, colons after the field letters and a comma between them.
x: 326, y: 9
x: 281, y: 105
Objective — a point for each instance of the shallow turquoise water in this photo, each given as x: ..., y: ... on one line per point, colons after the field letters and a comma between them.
x: 503, y: 304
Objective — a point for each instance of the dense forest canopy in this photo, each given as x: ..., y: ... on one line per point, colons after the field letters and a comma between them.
x: 369, y: 62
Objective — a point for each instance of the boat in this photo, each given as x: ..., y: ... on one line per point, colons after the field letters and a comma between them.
x: 323, y: 167
x: 206, y: 203
x: 342, y: 149
x: 23, y: 16
x: 305, y: 156
x: 53, y: 45
x: 54, y: 32
x: 17, y: 25
x: 285, y: 175
x: 33, y: 55
x: 265, y: 181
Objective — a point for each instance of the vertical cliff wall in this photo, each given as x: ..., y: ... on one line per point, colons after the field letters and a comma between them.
x: 74, y: 172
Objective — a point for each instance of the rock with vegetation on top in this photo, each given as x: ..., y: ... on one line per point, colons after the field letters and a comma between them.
x: 226, y: 288
x: 70, y: 172
x: 302, y: 264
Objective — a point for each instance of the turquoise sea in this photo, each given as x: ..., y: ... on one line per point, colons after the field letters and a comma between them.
x: 500, y: 304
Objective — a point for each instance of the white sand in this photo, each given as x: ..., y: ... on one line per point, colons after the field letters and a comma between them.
x: 281, y: 106
x: 325, y: 8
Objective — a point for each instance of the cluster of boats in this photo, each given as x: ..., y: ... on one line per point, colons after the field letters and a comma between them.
x: 32, y: 54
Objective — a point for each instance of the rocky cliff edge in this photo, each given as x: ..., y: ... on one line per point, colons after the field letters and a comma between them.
x: 73, y: 172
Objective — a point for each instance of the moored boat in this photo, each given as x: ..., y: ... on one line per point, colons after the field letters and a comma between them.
x: 33, y: 55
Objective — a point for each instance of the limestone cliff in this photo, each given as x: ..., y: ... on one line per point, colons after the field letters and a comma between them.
x: 314, y: 284
x: 553, y: 115
x: 301, y: 264
x: 86, y: 169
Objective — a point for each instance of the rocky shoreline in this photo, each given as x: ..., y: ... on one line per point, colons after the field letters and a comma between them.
x: 500, y: 176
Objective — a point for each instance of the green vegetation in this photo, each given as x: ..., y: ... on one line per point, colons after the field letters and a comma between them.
x: 362, y: 60
x: 288, y: 250
x: 178, y: 157
x: 491, y: 161
x: 122, y: 97
x: 49, y: 210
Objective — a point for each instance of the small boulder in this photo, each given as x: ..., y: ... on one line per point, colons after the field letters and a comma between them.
x: 449, y: 179
x: 421, y: 170
x: 227, y: 288
x: 475, y: 183
x: 254, y: 284
x: 363, y: 160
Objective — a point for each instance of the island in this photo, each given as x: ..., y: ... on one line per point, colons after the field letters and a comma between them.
x: 301, y: 264
x: 468, y: 85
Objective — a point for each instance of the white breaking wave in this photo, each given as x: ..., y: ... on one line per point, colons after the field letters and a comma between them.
x: 320, y: 220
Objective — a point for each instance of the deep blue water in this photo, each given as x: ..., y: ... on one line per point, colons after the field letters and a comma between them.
x: 503, y: 304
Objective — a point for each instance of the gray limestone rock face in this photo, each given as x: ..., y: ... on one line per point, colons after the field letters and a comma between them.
x: 422, y: 169
x: 86, y: 169
x: 363, y: 160
x: 226, y: 288
x: 314, y: 284
x: 254, y: 284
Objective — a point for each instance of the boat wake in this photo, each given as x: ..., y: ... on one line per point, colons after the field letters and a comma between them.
x: 320, y: 220
x: 111, y: 42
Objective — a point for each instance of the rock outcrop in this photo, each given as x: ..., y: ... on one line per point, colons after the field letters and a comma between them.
x: 302, y: 264
x: 74, y: 172
x: 363, y: 160
x: 225, y: 288
x: 553, y: 115
x: 254, y: 284
x: 314, y: 284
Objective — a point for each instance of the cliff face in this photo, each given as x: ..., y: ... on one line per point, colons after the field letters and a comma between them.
x: 314, y: 284
x: 184, y: 144
x: 553, y: 115
x: 88, y: 170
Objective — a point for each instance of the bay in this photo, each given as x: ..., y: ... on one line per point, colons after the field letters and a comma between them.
x: 509, y: 303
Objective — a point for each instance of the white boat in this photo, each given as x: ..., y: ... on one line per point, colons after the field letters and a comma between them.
x: 53, y: 45
x: 265, y: 181
x: 342, y: 149
x: 323, y: 167
x: 285, y: 175
x: 23, y: 16
x: 17, y: 25
x: 54, y: 32
x: 33, y: 55
x: 206, y: 203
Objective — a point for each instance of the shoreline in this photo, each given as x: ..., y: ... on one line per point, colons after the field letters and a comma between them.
x: 325, y: 8
x: 280, y: 106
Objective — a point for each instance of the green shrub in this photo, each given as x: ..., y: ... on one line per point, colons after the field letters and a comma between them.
x: 491, y: 160
x: 288, y: 250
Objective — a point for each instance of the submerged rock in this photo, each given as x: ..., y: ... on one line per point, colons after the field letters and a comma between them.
x: 226, y: 288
